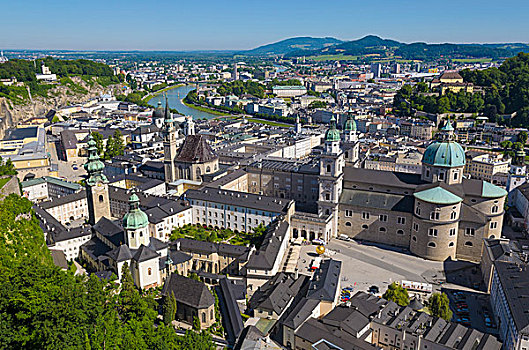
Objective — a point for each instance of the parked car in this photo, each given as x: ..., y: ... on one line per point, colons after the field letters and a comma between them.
x: 374, y: 290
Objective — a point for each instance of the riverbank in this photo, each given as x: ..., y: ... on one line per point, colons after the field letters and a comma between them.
x: 152, y: 95
x: 204, y: 109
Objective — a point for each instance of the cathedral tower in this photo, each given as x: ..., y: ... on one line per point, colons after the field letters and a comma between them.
x: 170, y: 135
x: 332, y: 164
x: 96, y: 185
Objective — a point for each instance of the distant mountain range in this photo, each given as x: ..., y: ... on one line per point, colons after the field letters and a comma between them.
x: 288, y: 46
x: 374, y: 45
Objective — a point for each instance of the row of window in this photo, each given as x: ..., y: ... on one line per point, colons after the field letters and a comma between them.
x: 451, y: 244
x: 382, y: 217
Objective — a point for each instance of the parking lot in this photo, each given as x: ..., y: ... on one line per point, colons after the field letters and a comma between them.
x: 471, y: 309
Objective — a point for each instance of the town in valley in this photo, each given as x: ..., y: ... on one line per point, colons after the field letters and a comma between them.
x: 312, y: 193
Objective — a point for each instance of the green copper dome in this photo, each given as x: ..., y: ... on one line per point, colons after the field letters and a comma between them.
x: 332, y: 134
x: 350, y: 124
x: 135, y: 218
x: 446, y: 154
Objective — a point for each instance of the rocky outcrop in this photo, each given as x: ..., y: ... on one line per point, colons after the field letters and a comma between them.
x: 59, y: 96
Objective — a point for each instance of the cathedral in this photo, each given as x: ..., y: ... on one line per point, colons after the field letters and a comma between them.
x: 438, y: 214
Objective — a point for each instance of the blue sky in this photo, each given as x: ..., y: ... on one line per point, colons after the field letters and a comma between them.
x: 236, y: 24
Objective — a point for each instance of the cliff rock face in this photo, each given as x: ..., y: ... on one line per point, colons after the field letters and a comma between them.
x: 59, y: 96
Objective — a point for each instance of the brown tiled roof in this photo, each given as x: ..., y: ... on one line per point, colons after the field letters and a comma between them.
x: 195, y: 150
x: 451, y: 75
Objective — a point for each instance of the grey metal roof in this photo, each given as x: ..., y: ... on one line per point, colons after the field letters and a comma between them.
x: 145, y: 253
x: 121, y: 253
x: 383, y: 178
x: 265, y: 256
x: 514, y: 279
x: 240, y: 199
x: 325, y: 281
x: 276, y: 293
x: 377, y: 200
x: 301, y: 312
x: 188, y: 291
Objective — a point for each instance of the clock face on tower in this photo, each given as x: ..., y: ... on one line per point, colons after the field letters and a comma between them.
x: 99, y: 184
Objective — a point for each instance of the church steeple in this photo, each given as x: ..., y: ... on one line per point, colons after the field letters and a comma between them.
x: 94, y: 166
x: 96, y: 185
x: 332, y: 138
x: 170, y: 134
x: 135, y: 223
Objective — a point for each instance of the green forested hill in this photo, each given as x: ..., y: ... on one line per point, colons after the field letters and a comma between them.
x: 374, y: 45
x: 506, y: 91
x: 42, y: 307
x: 288, y: 46
x: 25, y: 70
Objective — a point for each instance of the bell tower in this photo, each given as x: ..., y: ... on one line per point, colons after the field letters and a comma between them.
x: 330, y: 180
x: 351, y: 146
x: 170, y: 135
x: 96, y: 185
x: 136, y: 223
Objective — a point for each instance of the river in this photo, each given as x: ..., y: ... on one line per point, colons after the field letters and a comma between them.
x: 175, y: 96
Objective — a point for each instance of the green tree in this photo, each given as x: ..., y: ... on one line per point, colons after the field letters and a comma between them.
x: 115, y: 146
x: 169, y: 309
x: 196, y: 323
x: 42, y: 307
x: 98, y: 138
x: 7, y: 168
x: 439, y: 306
x: 398, y: 294
x: 522, y: 137
x: 317, y: 104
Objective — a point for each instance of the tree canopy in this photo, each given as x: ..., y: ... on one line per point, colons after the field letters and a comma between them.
x: 398, y: 294
x: 439, y: 306
x: 42, y: 307
x: 506, y: 91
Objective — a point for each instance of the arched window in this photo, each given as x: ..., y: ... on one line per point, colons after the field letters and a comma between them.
x: 495, y: 209
x: 211, y: 314
x: 327, y: 212
x: 348, y: 223
x: 414, y: 238
x: 469, y: 244
x: 101, y: 198
x: 400, y: 232
x: 328, y: 168
x: 346, y: 154
x: 208, y: 169
x: 431, y: 244
x: 451, y: 244
x: 203, y: 317
x: 365, y: 227
x: 149, y: 271
x: 382, y: 229
x: 453, y: 215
